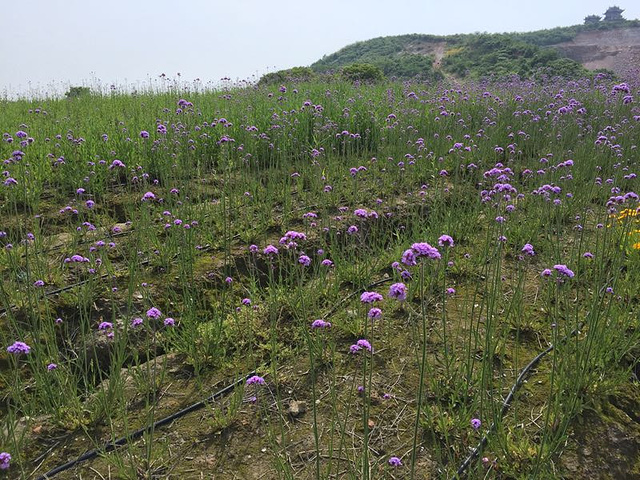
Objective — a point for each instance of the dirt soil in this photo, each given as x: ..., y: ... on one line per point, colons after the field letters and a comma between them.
x: 617, y: 50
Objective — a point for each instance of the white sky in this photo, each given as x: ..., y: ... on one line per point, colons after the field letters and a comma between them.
x: 45, y: 45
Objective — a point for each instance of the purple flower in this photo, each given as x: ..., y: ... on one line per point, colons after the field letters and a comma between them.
x: 374, y: 313
x: 144, y: 134
x: 395, y: 462
x: 90, y: 204
x: 148, y: 197
x: 587, y: 255
x: 476, y: 423
x: 398, y: 291
x: 320, y: 324
x: 169, y: 322
x: 564, y: 270
x: 246, y: 301
x: 154, y: 313
x: 352, y: 229
x: 304, y: 260
x: 270, y: 250
x: 136, y: 322
x: 115, y: 164
x: 105, y: 326
x: 370, y: 297
x: 409, y: 258
x: 423, y: 249
x: 5, y: 459
x: 52, y: 366
x: 451, y: 291
x: 255, y: 380
x: 528, y: 250
x: 326, y: 263
x: 546, y: 272
x: 445, y: 241
x: 362, y: 343
x: 19, y: 348
x: 38, y: 283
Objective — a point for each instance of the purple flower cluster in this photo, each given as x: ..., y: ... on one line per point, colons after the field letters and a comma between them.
x: 19, y: 348
x: 359, y: 345
x: 320, y: 324
x: 370, y: 297
x: 398, y: 291
x: 5, y: 460
x: 255, y: 380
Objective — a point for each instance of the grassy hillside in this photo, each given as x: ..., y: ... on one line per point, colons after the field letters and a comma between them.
x: 478, y: 55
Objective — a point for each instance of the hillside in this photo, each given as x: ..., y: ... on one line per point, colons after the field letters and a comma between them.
x: 564, y: 51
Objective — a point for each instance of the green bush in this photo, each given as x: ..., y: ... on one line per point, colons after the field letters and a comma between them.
x: 75, y: 92
x: 295, y: 74
x: 364, y: 72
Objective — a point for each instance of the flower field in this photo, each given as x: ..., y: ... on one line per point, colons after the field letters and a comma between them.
x: 398, y: 280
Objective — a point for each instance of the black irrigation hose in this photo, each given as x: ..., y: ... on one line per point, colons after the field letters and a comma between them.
x: 87, y: 280
x: 507, y: 401
x: 108, y: 447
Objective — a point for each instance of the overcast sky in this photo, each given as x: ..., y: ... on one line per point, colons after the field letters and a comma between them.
x: 46, y: 45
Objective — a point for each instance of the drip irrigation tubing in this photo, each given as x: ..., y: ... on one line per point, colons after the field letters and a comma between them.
x: 507, y: 402
x: 110, y: 446
x: 104, y: 276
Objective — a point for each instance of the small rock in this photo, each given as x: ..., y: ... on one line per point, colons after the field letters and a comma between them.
x: 297, y: 408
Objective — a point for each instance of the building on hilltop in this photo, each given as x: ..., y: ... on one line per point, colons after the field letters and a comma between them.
x: 592, y: 20
x: 613, y: 14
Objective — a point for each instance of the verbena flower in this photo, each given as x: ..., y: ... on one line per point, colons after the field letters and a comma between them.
x: 374, y: 313
x: 395, y: 462
x: 528, y: 250
x: 564, y: 270
x: 398, y: 291
x: 169, y: 322
x: 370, y: 297
x: 320, y: 324
x: 423, y: 249
x: 270, y: 250
x: 445, y: 241
x: 476, y: 423
x: 304, y: 260
x: 5, y: 460
x: 136, y: 322
x: 154, y: 313
x: 409, y: 258
x: 255, y: 380
x: 105, y: 326
x: 19, y: 348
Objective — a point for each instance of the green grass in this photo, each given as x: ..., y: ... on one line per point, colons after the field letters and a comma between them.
x: 486, y: 164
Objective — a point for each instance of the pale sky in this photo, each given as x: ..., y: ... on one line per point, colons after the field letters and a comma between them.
x: 45, y: 45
